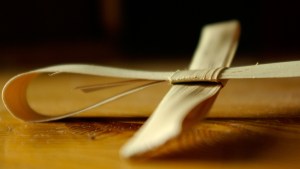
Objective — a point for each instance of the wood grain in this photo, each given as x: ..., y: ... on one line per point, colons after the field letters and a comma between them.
x: 258, y: 129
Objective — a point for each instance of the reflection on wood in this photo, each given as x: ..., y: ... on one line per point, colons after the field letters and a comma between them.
x: 94, y: 143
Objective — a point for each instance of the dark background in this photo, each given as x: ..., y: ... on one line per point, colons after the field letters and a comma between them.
x: 42, y: 32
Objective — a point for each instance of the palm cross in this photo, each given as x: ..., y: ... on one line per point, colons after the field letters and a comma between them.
x: 191, y: 96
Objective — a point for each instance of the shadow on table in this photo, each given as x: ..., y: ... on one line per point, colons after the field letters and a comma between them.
x: 234, y: 140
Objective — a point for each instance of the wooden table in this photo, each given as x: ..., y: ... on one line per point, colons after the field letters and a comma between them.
x: 245, y: 129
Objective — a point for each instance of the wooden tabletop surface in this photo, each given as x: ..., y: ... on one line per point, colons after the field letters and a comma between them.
x: 253, y: 124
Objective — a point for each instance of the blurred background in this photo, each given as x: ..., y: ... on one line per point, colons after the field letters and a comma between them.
x: 37, y: 33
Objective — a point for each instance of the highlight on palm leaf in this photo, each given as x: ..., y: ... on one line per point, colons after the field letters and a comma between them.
x: 190, y: 96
